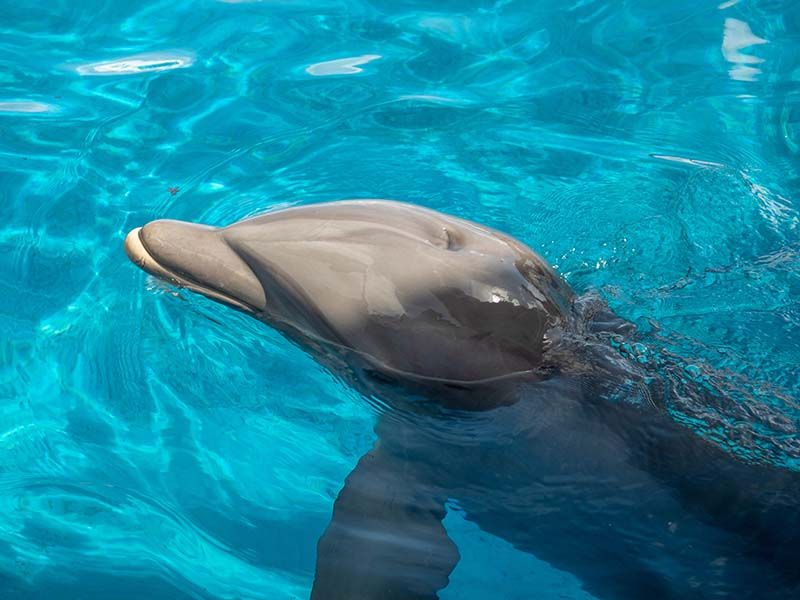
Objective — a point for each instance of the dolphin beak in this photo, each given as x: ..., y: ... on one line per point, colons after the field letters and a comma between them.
x: 139, y: 255
x: 196, y: 257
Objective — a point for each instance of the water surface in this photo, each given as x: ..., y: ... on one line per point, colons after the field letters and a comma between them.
x: 156, y: 445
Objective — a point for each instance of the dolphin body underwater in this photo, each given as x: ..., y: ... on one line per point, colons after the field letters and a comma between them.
x: 502, y: 396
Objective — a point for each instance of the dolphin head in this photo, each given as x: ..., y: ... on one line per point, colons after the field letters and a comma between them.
x: 414, y: 293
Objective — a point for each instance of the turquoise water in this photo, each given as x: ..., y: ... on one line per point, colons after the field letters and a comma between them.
x: 154, y: 444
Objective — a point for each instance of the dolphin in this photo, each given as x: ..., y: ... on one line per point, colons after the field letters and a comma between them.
x: 501, y: 396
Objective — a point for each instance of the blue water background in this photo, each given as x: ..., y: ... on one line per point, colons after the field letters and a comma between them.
x: 161, y: 446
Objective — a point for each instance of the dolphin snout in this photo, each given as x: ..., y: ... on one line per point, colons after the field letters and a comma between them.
x: 198, y: 258
x: 181, y: 246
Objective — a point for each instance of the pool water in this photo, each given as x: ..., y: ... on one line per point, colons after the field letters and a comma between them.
x: 156, y: 445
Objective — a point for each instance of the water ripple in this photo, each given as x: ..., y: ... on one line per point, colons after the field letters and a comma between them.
x: 155, y: 444
x: 149, y: 62
x: 25, y: 106
x: 341, y: 66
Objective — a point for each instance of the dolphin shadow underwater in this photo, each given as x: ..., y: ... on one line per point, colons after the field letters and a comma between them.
x: 500, y: 394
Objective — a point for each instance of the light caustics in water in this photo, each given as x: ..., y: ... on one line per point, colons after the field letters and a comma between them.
x: 341, y: 66
x: 736, y: 37
x: 148, y: 62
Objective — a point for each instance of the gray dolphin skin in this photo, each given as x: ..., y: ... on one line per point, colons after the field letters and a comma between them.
x: 500, y: 395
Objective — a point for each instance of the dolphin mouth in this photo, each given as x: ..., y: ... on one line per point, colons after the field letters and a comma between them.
x: 142, y: 257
